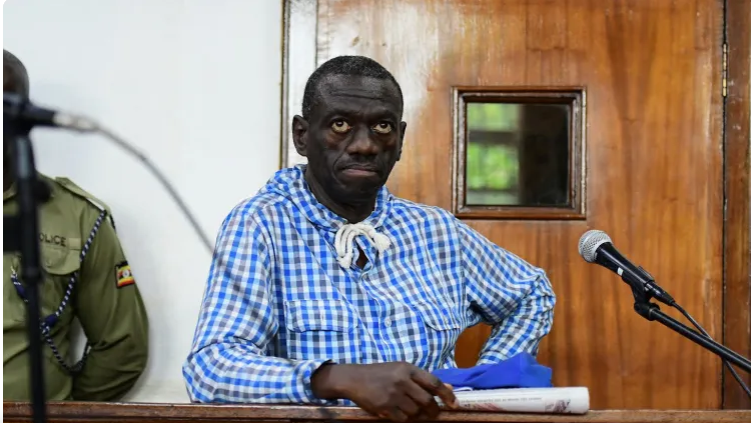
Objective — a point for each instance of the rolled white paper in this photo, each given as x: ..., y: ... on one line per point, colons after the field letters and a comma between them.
x: 573, y: 400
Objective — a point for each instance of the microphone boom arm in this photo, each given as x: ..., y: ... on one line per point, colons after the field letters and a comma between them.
x: 652, y: 312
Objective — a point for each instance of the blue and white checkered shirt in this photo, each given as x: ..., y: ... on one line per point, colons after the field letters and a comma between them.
x: 279, y: 303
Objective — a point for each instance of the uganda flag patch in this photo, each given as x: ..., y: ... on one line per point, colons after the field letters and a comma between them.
x: 123, y: 275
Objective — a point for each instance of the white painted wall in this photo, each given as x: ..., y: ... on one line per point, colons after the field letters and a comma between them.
x: 195, y: 84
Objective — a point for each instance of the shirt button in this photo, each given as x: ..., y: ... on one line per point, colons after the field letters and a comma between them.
x: 387, y: 322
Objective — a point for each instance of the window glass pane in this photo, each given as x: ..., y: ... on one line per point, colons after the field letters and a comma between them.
x: 517, y: 154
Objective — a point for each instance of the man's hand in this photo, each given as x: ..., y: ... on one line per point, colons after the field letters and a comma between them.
x: 395, y: 391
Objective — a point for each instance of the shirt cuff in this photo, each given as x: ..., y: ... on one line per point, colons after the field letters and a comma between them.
x: 302, y: 391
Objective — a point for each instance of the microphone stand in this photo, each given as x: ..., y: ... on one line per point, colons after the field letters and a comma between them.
x: 24, y: 228
x: 652, y: 312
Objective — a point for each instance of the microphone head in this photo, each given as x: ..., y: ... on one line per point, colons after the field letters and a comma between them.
x: 590, y: 242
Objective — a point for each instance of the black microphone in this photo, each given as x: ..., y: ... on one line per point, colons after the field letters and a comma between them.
x: 597, y: 247
x: 23, y: 113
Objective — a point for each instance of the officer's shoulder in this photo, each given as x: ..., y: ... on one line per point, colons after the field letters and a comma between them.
x: 69, y: 187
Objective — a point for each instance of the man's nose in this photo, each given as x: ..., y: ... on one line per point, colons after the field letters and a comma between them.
x: 363, y: 144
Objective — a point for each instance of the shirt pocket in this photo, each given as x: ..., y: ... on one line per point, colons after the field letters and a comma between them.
x: 14, y: 309
x: 59, y: 265
x: 436, y: 317
x: 320, y: 315
x: 321, y: 329
x: 60, y: 261
x: 424, y: 332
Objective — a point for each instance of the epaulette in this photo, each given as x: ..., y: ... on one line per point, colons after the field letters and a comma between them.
x: 80, y: 192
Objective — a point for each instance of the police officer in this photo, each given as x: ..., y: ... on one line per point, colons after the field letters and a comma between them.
x: 86, y: 276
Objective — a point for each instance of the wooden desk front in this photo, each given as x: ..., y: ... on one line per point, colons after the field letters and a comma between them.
x: 79, y: 412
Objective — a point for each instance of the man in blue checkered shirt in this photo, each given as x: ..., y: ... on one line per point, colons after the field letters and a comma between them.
x: 325, y: 288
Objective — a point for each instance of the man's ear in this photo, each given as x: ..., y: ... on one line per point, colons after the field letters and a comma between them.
x: 403, y: 130
x: 300, y: 135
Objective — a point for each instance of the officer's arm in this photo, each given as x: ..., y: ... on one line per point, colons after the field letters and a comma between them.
x: 114, y: 320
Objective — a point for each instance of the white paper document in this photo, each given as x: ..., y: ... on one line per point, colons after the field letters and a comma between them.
x: 574, y: 400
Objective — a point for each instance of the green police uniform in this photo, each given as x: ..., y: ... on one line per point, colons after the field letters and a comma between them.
x: 99, y: 291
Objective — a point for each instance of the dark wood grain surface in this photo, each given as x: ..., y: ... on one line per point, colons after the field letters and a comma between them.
x: 652, y: 74
x: 738, y: 193
x: 114, y: 412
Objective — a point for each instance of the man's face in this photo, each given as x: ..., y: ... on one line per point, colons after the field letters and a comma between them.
x: 353, y: 137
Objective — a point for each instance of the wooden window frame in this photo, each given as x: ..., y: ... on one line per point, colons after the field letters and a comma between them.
x: 575, y: 98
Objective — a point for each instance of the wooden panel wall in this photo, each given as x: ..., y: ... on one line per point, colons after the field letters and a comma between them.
x: 738, y: 194
x: 657, y: 162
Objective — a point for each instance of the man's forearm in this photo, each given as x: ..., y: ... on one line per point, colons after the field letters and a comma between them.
x: 236, y: 373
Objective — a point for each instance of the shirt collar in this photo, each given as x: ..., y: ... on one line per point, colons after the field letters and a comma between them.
x: 320, y: 215
x: 13, y: 189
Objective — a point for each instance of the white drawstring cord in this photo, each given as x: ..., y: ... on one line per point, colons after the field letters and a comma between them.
x: 345, y: 237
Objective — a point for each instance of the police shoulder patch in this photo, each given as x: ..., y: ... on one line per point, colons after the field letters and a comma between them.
x: 123, y: 275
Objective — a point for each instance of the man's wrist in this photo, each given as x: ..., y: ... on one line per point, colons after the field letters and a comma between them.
x: 329, y: 381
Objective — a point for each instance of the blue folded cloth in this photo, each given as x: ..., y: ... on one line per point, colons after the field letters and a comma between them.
x: 519, y: 371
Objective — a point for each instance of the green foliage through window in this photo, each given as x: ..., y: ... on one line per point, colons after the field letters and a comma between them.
x: 503, y: 117
x: 492, y: 169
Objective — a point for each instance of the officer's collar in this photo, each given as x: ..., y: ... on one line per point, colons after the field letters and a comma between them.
x: 41, y: 181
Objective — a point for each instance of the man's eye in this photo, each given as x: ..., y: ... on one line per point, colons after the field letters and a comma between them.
x: 340, y: 126
x: 382, y: 128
